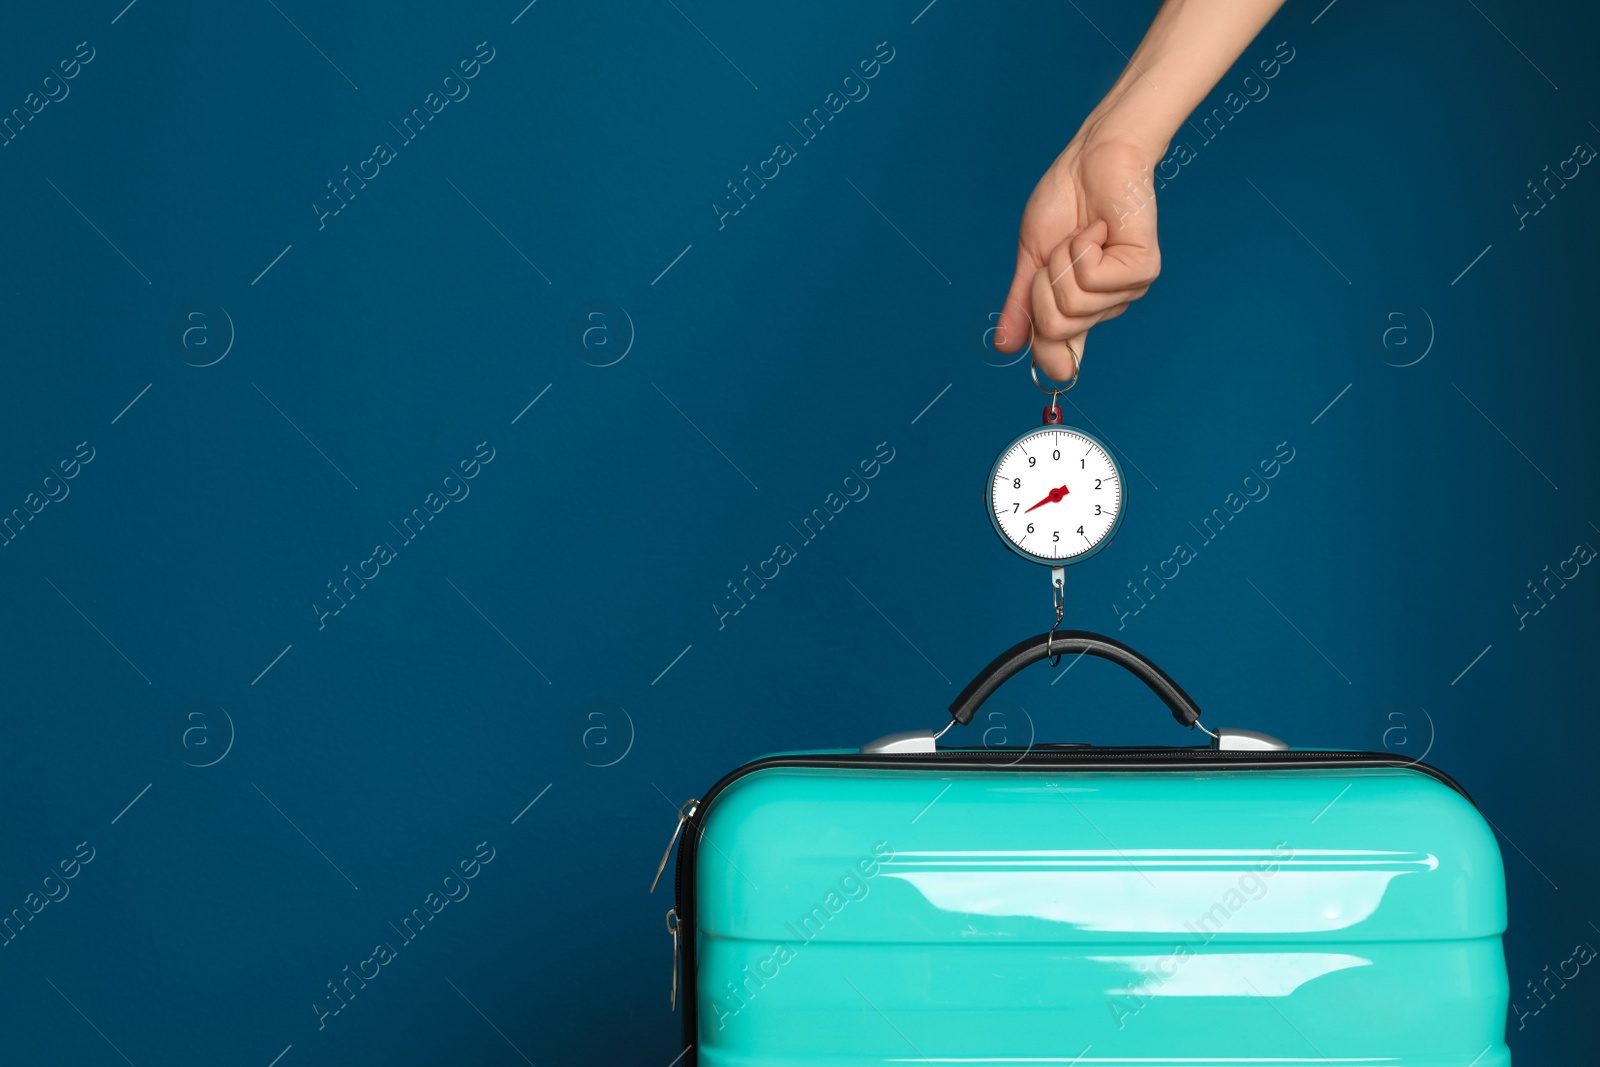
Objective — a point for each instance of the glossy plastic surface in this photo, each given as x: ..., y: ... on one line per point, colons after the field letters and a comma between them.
x: 860, y: 917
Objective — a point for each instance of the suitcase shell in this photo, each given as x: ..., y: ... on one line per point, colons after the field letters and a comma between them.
x: 1071, y: 905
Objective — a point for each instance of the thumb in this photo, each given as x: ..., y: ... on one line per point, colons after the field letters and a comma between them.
x: 1015, y: 329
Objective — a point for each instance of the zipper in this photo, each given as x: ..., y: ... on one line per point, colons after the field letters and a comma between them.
x: 692, y: 814
x: 685, y: 813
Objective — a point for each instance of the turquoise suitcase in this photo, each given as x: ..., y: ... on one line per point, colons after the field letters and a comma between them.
x: 1234, y: 904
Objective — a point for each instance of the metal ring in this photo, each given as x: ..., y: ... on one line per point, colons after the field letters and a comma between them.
x: 1077, y: 368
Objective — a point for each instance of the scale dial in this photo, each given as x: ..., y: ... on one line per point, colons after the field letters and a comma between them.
x: 1055, y: 495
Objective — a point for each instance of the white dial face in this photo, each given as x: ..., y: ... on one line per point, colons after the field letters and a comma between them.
x: 1056, y: 494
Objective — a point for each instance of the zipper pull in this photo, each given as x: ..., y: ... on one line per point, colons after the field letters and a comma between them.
x: 672, y: 928
x: 685, y: 813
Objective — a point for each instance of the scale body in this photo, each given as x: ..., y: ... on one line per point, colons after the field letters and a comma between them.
x: 1071, y: 492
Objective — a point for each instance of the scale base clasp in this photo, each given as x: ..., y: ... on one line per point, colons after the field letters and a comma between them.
x: 1058, y: 595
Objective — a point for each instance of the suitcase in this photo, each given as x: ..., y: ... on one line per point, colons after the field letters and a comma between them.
x: 1232, y: 903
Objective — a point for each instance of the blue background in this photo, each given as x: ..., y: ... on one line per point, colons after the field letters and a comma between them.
x: 552, y: 636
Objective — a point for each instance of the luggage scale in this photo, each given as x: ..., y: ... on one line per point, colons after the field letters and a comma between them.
x: 1056, y: 497
x: 1071, y: 526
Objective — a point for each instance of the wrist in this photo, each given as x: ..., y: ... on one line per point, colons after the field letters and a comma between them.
x: 1119, y: 120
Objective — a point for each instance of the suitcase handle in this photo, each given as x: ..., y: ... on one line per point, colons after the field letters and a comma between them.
x: 1066, y: 642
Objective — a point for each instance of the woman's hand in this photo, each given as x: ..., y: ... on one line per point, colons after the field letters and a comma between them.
x: 1087, y: 248
x: 1088, y: 242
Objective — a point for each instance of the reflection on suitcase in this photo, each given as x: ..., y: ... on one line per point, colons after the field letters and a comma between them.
x: 1237, y: 903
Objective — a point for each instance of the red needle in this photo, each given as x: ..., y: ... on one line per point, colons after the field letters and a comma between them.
x: 1054, y: 497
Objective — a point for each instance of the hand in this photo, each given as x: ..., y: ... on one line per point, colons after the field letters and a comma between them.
x: 1087, y: 248
x: 1054, y: 497
x: 1088, y: 241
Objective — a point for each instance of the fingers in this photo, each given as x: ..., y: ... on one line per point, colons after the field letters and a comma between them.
x: 1114, y: 312
x: 1107, y: 260
x: 1050, y: 323
x: 1082, y: 310
x: 1056, y: 357
x: 1064, y: 312
x: 1053, y: 358
x: 1015, y: 328
x: 1072, y: 298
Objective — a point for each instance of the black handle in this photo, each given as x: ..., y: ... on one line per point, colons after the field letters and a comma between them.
x: 1066, y: 643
